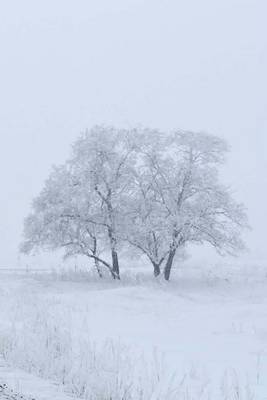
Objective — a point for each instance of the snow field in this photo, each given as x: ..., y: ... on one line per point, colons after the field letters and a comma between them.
x: 202, y: 336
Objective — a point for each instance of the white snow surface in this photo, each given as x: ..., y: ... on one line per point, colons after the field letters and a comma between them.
x: 208, y: 325
x: 20, y: 383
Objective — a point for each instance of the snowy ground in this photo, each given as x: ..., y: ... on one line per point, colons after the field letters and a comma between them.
x: 201, y: 336
x: 16, y: 384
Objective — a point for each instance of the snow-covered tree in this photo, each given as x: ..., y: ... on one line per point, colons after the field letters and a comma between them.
x: 96, y: 179
x: 188, y: 202
x: 103, y: 160
x: 156, y: 192
x: 63, y: 217
x: 146, y: 227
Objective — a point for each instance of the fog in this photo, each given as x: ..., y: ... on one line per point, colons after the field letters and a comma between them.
x: 68, y: 65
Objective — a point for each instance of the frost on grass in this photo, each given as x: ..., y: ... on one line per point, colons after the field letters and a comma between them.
x: 42, y: 343
x: 40, y: 339
x: 6, y: 393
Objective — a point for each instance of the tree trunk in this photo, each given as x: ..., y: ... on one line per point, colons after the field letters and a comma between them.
x: 168, y: 266
x: 115, y: 264
x: 114, y: 255
x: 97, y: 266
x: 156, y: 269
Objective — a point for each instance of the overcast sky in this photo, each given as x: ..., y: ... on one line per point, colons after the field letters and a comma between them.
x: 191, y: 64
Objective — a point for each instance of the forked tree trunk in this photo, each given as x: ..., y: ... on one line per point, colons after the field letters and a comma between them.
x: 168, y: 265
x: 156, y: 269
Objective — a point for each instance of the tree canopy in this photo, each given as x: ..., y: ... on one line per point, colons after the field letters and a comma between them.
x: 139, y: 189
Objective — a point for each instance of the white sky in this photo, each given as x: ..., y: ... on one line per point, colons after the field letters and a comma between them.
x: 66, y: 65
